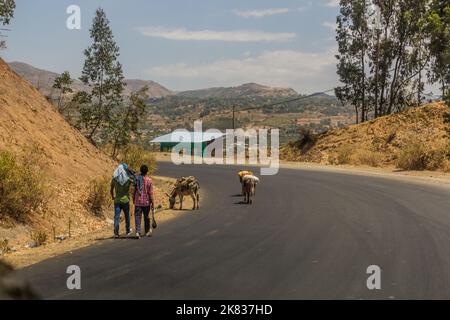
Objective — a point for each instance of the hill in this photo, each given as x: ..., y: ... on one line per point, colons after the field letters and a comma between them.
x: 245, y: 90
x: 155, y: 90
x: 43, y: 80
x: 418, y: 136
x: 27, y: 119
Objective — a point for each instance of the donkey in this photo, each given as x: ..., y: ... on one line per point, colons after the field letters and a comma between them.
x: 249, y: 183
x: 183, y: 188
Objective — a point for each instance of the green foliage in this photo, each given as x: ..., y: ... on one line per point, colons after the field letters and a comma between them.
x: 383, y: 70
x: 438, y: 29
x: 135, y: 156
x: 6, y: 11
x: 98, y: 195
x: 6, y: 14
x: 22, y: 183
x: 104, y: 76
x: 63, y: 83
x: 126, y: 120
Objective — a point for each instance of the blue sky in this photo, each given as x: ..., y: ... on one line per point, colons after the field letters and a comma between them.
x: 189, y: 44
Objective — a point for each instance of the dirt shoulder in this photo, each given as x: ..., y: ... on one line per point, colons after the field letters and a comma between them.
x: 438, y: 178
x: 24, y: 256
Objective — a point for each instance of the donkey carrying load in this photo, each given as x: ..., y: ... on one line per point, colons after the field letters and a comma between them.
x: 183, y: 187
x: 249, y: 183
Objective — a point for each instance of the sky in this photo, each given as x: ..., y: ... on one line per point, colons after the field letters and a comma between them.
x: 189, y: 44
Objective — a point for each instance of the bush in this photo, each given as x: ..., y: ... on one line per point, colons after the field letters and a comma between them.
x: 135, y: 156
x: 4, y: 246
x: 367, y: 157
x: 39, y: 238
x: 22, y: 183
x: 413, y: 157
x: 306, y: 140
x: 98, y: 195
x: 436, y: 159
x: 344, y: 154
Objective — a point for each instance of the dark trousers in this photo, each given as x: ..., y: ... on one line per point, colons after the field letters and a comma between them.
x: 118, y: 207
x: 137, y: 216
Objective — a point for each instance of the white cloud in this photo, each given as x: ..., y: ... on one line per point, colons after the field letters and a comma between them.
x: 210, y: 35
x: 260, y: 13
x: 328, y: 24
x: 332, y: 3
x: 306, y: 72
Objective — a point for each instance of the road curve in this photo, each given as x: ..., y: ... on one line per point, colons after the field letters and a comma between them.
x: 308, y: 234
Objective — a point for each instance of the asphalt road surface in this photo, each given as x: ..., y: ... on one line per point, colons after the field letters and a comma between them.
x: 308, y: 234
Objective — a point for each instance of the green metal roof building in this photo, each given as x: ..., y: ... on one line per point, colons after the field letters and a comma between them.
x: 182, y: 137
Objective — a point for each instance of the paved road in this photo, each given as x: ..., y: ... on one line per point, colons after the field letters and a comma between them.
x: 307, y: 235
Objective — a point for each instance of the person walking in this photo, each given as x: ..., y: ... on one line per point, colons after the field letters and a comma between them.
x: 120, y: 194
x: 143, y: 201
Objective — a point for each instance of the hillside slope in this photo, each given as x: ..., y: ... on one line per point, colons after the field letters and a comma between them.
x: 379, y: 142
x: 26, y: 118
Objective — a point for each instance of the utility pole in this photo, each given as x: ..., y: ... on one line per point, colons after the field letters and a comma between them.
x: 233, y: 117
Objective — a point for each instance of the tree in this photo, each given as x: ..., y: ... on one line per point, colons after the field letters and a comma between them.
x: 63, y: 83
x: 438, y: 28
x: 352, y: 32
x: 126, y: 120
x: 104, y: 76
x: 381, y: 68
x: 6, y: 14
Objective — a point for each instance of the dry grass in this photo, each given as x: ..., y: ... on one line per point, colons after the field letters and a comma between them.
x: 419, y: 156
x: 4, y: 246
x: 23, y: 185
x: 385, y: 141
x: 98, y: 197
x: 344, y: 154
x: 367, y: 157
x: 135, y: 156
x: 39, y: 237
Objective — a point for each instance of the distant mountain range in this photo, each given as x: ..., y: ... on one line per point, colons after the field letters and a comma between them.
x: 245, y: 90
x: 43, y: 80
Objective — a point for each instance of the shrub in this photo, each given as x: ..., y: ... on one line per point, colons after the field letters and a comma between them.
x: 4, y: 246
x: 436, y: 159
x: 344, y: 154
x: 367, y: 157
x: 135, y: 156
x: 39, y: 238
x: 98, y: 195
x: 22, y: 184
x: 413, y: 157
x: 306, y: 140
